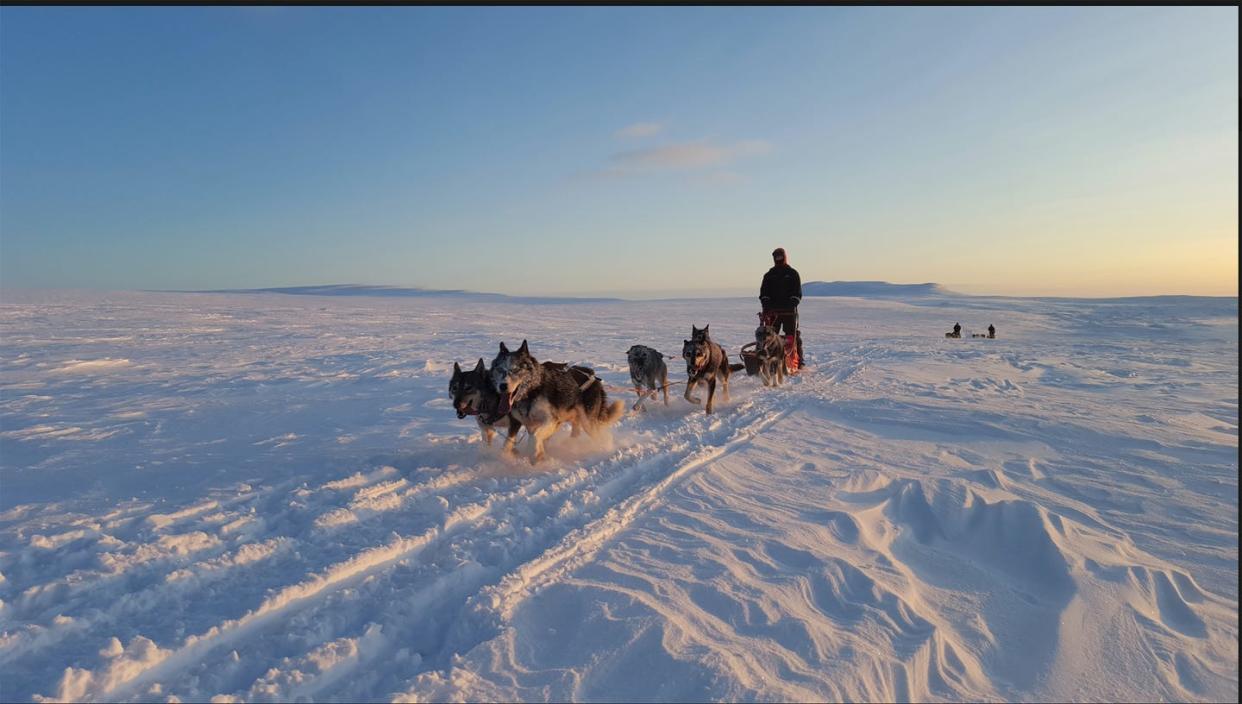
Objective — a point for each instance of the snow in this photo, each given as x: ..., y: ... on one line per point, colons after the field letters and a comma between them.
x: 265, y: 497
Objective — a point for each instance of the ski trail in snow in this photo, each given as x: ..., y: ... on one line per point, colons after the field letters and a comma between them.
x: 627, y: 475
x: 298, y: 596
x: 580, y: 545
x: 629, y: 497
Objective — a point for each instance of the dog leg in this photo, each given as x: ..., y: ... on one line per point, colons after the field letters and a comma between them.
x: 648, y: 395
x: 538, y: 436
x: 638, y: 405
x: 725, y: 382
x: 486, y: 430
x: 511, y: 441
x: 711, y: 393
x: 664, y: 381
x: 690, y: 387
x: 592, y: 428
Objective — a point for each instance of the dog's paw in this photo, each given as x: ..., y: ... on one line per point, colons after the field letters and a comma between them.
x: 694, y: 399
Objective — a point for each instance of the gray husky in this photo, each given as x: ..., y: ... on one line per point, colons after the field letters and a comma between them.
x: 770, y: 349
x: 542, y: 398
x: 474, y: 395
x: 706, y: 361
x: 648, y: 372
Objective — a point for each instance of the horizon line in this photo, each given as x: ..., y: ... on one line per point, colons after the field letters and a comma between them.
x: 601, y: 297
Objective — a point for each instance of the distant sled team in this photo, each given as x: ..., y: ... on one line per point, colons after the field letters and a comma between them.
x: 518, y: 391
x: 957, y: 332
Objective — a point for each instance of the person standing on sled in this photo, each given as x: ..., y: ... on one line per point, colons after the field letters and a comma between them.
x: 780, y: 293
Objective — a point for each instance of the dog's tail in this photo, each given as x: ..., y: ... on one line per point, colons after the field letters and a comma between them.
x: 611, y: 413
x: 736, y: 367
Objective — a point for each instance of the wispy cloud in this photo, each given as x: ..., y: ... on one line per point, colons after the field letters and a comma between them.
x: 638, y: 130
x: 684, y: 156
x: 721, y: 178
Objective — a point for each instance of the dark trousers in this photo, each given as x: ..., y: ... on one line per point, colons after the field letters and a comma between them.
x: 787, y: 324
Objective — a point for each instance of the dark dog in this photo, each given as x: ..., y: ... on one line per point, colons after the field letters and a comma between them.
x: 648, y: 372
x: 542, y: 398
x: 474, y: 395
x: 706, y: 361
x: 770, y: 350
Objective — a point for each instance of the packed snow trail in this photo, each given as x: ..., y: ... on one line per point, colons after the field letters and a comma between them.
x: 269, y: 498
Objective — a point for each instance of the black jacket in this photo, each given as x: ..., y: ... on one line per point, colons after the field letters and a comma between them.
x: 781, y: 288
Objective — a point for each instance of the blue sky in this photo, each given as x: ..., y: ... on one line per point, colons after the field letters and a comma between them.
x: 1049, y: 151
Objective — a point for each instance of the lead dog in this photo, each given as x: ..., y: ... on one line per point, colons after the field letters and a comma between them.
x: 706, y: 361
x: 543, y: 398
x: 648, y: 372
x: 474, y: 395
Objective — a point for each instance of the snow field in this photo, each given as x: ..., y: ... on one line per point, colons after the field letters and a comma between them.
x: 268, y: 498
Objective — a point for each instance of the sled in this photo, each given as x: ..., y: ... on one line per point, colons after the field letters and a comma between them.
x: 751, y: 359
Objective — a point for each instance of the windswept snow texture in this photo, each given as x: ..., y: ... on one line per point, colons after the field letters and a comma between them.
x: 269, y: 498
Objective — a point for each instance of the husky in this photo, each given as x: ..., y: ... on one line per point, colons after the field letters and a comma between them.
x: 473, y: 395
x: 542, y: 398
x: 706, y: 361
x: 648, y: 372
x: 770, y: 349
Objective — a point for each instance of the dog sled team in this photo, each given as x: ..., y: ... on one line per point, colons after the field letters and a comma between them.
x: 517, y: 391
x: 956, y: 332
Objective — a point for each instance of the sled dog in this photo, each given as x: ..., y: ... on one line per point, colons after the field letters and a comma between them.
x: 474, y: 395
x: 770, y: 349
x: 542, y: 398
x: 706, y: 361
x: 648, y: 372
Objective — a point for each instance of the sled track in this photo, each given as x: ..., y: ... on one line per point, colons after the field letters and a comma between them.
x: 580, y: 545
x: 548, y: 524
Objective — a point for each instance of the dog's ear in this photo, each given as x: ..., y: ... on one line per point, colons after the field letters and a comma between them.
x: 524, y: 349
x: 503, y: 349
x: 456, y: 369
x: 480, y: 366
x: 705, y: 327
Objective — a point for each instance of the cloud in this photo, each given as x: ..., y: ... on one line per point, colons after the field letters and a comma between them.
x: 722, y: 178
x: 638, y: 130
x: 687, y: 155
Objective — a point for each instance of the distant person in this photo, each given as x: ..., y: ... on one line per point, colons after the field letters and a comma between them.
x: 780, y: 293
x: 957, y: 330
x: 991, y: 332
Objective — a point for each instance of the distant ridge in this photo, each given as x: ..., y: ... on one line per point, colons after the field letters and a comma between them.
x: 872, y: 289
x: 405, y: 292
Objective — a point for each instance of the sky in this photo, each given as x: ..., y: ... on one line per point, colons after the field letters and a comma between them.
x: 623, y: 151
